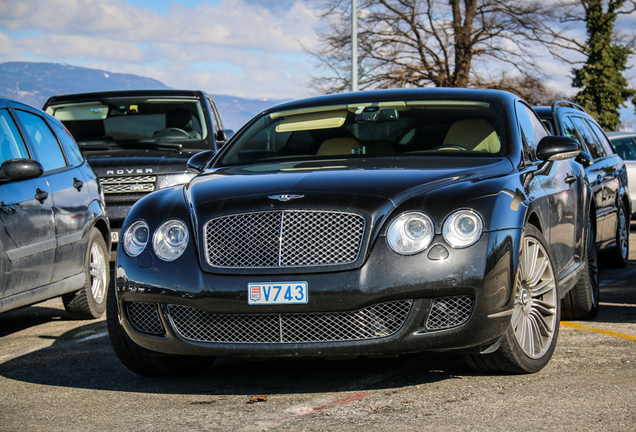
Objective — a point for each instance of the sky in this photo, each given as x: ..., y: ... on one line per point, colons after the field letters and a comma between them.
x: 244, y: 48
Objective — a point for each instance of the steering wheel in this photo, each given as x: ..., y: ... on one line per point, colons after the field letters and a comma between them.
x: 171, y: 132
x: 450, y: 147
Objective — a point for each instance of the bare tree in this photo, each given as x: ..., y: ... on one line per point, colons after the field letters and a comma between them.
x: 420, y: 43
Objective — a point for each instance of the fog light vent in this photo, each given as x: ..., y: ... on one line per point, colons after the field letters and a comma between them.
x: 145, y: 317
x: 448, y: 312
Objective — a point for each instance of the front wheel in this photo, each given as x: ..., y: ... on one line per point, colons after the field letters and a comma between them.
x: 530, y: 339
x: 143, y: 362
x: 90, y: 301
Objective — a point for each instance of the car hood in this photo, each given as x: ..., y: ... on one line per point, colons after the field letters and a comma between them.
x: 337, y: 183
x: 121, y: 161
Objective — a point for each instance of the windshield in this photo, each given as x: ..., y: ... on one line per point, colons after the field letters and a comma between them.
x: 133, y: 119
x: 444, y: 127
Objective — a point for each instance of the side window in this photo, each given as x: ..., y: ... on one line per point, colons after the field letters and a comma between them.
x: 11, y: 144
x: 601, y: 138
x: 531, y: 128
x: 46, y: 146
x: 590, y: 140
x: 626, y: 148
x: 73, y: 153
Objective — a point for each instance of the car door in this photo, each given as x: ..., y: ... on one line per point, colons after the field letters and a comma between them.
x: 27, y: 227
x: 70, y: 198
x: 603, y: 177
x: 562, y: 188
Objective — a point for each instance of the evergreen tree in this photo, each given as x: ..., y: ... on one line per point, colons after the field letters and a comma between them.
x: 604, y: 88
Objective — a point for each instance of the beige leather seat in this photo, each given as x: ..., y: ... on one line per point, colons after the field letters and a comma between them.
x: 473, y: 134
x: 337, y: 146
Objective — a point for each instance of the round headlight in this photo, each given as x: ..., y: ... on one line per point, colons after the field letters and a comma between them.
x: 170, y: 240
x: 462, y: 228
x: 410, y: 233
x: 135, y: 238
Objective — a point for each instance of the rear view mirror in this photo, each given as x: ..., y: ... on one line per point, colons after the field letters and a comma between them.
x: 374, y: 114
x: 20, y: 169
x: 224, y: 134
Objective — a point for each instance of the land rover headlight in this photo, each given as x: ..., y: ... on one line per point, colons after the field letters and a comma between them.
x: 462, y: 229
x: 410, y: 233
x: 170, y: 240
x: 169, y: 180
x: 135, y: 238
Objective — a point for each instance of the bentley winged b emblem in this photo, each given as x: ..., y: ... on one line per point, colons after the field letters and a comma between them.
x: 285, y: 197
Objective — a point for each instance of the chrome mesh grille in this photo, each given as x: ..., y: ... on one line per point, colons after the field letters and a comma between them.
x: 447, y: 312
x: 145, y: 317
x: 377, y: 321
x: 291, y: 238
x: 130, y: 184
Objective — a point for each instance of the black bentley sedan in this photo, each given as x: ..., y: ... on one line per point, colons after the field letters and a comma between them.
x: 372, y: 223
x: 54, y: 230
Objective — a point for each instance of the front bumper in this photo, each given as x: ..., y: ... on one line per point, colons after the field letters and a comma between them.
x: 475, y: 283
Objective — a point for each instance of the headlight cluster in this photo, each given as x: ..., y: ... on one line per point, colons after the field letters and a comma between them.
x: 169, y: 180
x: 413, y: 232
x: 169, y: 240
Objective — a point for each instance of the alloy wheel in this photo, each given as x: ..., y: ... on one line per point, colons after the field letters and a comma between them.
x: 98, y: 273
x: 534, y: 316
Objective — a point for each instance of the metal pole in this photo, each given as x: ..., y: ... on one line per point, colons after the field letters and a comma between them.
x: 354, y: 46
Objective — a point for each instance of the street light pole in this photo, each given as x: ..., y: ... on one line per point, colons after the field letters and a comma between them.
x: 354, y: 46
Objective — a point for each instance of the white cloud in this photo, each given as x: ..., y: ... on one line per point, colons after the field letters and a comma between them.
x: 237, y: 47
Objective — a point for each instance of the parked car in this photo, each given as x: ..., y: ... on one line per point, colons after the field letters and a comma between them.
x: 625, y: 145
x: 138, y: 141
x: 54, y: 232
x: 372, y: 223
x: 606, y: 173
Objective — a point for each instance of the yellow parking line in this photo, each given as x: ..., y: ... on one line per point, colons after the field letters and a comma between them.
x: 605, y: 332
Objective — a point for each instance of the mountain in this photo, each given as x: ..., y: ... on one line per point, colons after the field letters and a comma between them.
x: 34, y: 83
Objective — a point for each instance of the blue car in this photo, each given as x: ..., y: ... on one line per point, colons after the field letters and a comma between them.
x: 54, y: 230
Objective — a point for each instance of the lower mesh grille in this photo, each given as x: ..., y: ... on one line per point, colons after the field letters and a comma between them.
x: 377, y: 321
x: 145, y: 317
x: 447, y: 312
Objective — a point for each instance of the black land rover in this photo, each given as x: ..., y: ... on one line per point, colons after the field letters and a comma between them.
x: 139, y: 141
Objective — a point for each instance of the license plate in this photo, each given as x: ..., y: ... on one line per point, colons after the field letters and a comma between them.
x: 277, y: 293
x: 114, y: 236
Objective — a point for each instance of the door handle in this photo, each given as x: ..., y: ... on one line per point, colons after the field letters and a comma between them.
x: 569, y: 179
x: 41, y: 195
x: 77, y: 184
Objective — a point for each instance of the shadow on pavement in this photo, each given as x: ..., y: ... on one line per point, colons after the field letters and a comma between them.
x: 79, y: 360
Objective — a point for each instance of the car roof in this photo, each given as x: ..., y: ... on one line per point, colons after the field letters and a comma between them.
x: 17, y: 104
x: 396, y: 94
x: 78, y: 97
x: 617, y: 135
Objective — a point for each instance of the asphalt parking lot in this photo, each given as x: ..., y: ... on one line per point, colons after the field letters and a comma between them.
x: 62, y: 375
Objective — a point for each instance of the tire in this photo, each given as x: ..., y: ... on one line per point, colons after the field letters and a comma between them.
x: 90, y: 301
x: 619, y: 256
x: 144, y: 362
x: 582, y: 301
x: 530, y: 339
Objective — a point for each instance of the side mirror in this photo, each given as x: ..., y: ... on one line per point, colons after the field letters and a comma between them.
x: 224, y: 134
x: 199, y: 161
x: 20, y: 169
x: 554, y: 148
x: 584, y: 159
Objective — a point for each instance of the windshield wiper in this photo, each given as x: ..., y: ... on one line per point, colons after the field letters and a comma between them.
x: 108, y: 145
